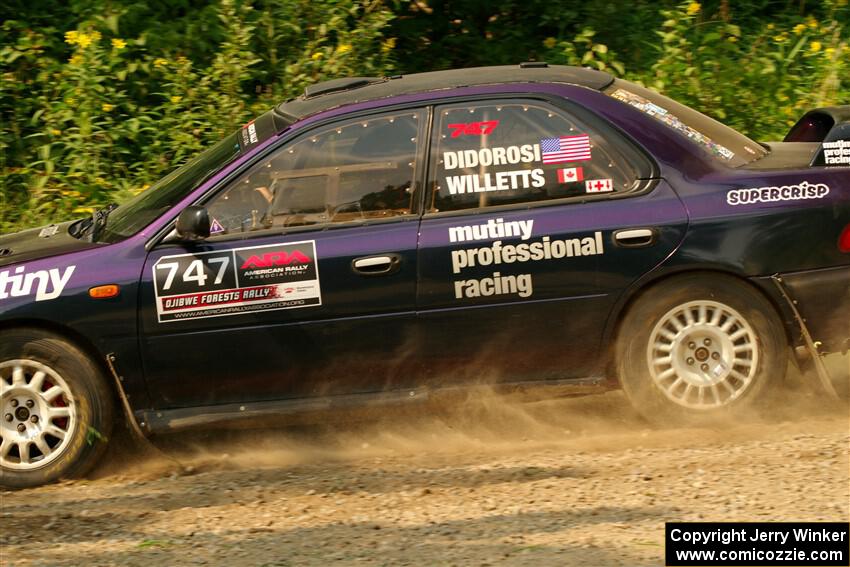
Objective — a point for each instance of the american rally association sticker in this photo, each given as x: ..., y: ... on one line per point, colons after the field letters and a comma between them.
x: 241, y: 280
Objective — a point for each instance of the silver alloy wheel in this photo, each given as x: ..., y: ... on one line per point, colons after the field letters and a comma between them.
x: 702, y: 354
x: 38, y: 415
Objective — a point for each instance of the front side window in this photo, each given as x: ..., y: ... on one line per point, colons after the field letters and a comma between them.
x: 360, y: 169
x: 502, y: 153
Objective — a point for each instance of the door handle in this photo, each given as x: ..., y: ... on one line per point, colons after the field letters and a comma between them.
x: 376, y: 265
x: 635, y: 237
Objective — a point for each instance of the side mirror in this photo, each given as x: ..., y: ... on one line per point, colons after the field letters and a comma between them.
x: 193, y: 223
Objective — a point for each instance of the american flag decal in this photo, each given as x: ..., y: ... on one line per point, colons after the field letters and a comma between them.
x: 565, y: 148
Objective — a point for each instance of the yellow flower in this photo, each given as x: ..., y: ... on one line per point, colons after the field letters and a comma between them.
x: 770, y: 26
x: 550, y: 42
x: 119, y: 43
x: 799, y: 28
x: 159, y: 62
x: 86, y: 39
x: 316, y: 56
x: 72, y: 37
x: 829, y: 51
x: 55, y: 132
x: 732, y: 38
x: 343, y: 48
x: 175, y: 99
x: 780, y: 38
x: 106, y: 107
x: 83, y: 210
x: 815, y: 46
x: 812, y: 23
x: 694, y: 8
x: 95, y: 36
x: 388, y: 45
x: 76, y: 59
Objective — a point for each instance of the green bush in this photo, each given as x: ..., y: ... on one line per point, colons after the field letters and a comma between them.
x: 107, y: 117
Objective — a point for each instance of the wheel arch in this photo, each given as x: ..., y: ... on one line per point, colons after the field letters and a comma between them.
x: 75, y: 337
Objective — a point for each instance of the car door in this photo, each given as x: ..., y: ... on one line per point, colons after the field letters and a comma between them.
x: 537, y: 215
x: 306, y: 286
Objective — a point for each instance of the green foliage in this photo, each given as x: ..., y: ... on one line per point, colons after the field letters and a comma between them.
x: 760, y: 81
x: 100, y: 98
x: 91, y: 115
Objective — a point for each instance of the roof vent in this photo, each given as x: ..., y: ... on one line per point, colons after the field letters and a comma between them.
x: 337, y: 85
x: 533, y: 65
x: 5, y: 252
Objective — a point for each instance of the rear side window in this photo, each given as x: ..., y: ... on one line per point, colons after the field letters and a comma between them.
x: 502, y: 153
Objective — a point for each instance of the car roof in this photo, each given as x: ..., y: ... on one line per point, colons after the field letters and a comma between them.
x: 339, y: 92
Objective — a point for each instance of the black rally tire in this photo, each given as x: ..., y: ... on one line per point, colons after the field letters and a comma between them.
x: 92, y: 401
x: 649, y: 385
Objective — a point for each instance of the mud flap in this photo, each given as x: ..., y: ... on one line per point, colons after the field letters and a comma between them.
x: 811, y: 345
x: 135, y: 428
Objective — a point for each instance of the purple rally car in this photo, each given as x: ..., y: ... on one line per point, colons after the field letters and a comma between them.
x: 378, y: 240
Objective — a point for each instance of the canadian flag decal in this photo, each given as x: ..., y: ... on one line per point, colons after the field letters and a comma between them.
x: 570, y: 175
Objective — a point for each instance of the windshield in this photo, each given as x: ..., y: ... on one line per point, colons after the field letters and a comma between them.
x: 140, y: 211
x: 722, y: 142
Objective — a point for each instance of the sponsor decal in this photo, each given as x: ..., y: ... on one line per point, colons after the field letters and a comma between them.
x: 48, y: 231
x: 473, y: 128
x: 233, y: 282
x: 499, y: 253
x: 249, y: 134
x: 673, y: 121
x: 570, y: 175
x: 47, y: 284
x: 836, y: 153
x: 565, y: 148
x: 598, y: 186
x: 801, y: 191
x: 492, y: 229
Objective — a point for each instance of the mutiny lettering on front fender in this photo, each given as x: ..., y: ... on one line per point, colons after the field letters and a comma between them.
x: 47, y: 284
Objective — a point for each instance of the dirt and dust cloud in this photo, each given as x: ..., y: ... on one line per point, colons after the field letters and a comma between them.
x: 487, y: 478
x: 480, y: 420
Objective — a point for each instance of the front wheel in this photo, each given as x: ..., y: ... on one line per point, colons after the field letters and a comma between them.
x: 55, y: 409
x: 698, y: 347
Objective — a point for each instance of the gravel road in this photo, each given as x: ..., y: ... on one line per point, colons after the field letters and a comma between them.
x: 568, y: 482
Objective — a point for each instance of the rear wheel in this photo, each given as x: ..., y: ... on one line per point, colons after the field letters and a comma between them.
x: 697, y: 347
x: 55, y: 409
